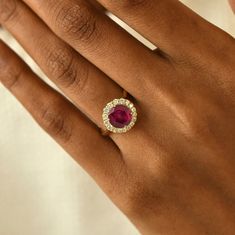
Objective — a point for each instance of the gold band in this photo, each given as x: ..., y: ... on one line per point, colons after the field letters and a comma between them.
x: 105, y: 133
x: 124, y: 94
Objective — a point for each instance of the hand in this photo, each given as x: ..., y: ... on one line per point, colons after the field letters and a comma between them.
x: 174, y: 172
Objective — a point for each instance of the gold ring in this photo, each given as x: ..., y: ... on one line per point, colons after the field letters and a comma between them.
x: 119, y: 115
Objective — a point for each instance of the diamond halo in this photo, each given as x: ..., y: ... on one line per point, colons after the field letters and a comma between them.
x: 110, y: 106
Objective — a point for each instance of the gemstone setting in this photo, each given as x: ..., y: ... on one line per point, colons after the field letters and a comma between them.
x: 119, y: 115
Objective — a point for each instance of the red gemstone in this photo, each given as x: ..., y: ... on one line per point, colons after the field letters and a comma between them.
x: 120, y: 116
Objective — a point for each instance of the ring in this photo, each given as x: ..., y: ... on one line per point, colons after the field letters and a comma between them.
x: 119, y: 116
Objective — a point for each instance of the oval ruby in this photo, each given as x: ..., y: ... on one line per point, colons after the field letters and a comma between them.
x: 120, y: 116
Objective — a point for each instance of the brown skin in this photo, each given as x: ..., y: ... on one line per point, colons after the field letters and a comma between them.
x: 174, y: 173
x: 97, y: 5
x: 232, y: 3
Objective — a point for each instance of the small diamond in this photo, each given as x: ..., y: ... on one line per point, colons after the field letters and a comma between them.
x: 115, y: 102
x: 133, y: 109
x: 134, y: 115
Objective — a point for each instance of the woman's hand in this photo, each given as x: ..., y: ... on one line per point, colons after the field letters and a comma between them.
x: 174, y: 172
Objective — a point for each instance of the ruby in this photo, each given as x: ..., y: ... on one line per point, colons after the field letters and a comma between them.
x: 120, y: 116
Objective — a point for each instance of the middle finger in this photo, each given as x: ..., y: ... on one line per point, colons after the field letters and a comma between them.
x: 79, y: 80
x: 103, y: 43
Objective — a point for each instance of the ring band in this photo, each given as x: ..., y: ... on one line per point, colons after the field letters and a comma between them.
x: 119, y: 115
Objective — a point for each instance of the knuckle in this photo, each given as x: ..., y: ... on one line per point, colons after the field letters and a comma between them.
x: 7, y: 9
x: 60, y: 65
x: 11, y: 78
x: 196, y: 126
x: 118, y: 180
x: 141, y: 200
x: 77, y: 22
x: 53, y: 121
x: 12, y: 70
x: 63, y: 68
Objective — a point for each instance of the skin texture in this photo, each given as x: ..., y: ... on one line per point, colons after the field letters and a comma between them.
x: 174, y: 173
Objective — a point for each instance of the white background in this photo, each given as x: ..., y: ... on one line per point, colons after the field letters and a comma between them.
x: 42, y: 190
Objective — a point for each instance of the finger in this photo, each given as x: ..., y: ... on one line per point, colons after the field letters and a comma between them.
x: 81, y: 81
x: 102, y: 42
x: 99, y: 156
x: 168, y: 24
x: 232, y: 3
